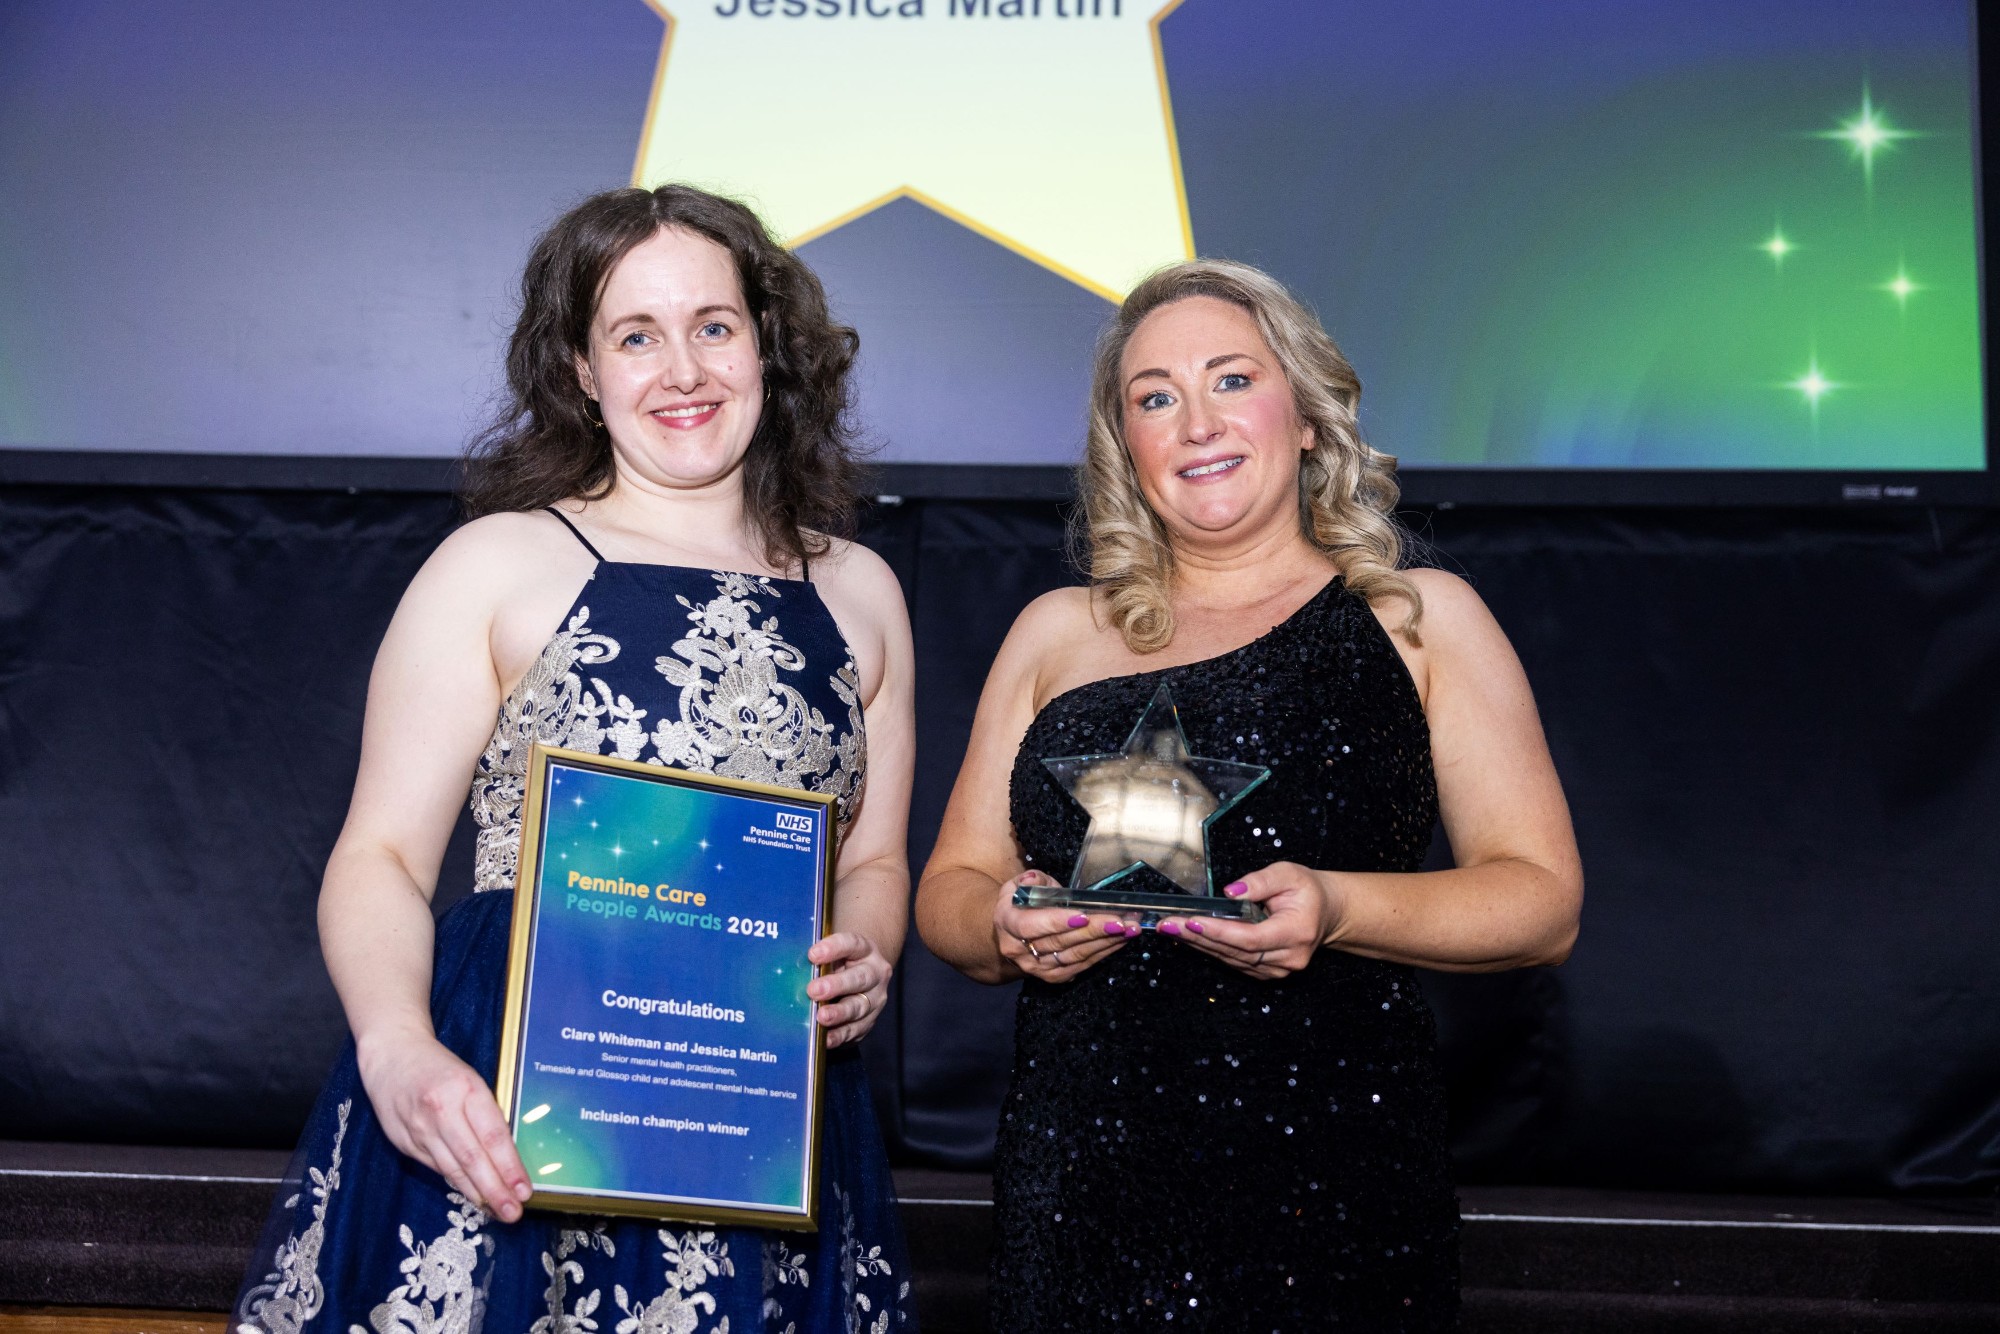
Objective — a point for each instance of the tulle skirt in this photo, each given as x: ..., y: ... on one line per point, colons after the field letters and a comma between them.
x: 363, y: 1239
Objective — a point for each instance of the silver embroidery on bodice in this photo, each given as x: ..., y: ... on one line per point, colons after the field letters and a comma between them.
x: 737, y: 715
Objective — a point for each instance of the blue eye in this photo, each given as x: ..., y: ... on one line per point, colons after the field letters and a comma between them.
x: 715, y: 329
x: 1159, y: 398
x: 1240, y: 382
x: 631, y: 340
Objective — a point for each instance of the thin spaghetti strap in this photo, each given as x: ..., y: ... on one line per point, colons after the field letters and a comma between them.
x: 595, y: 553
x: 805, y: 567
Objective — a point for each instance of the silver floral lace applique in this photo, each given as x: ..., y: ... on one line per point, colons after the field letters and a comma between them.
x: 857, y: 1267
x: 692, y: 1258
x: 783, y: 1267
x: 291, y: 1294
x: 737, y: 718
x: 555, y: 706
x: 563, y: 1271
x: 440, y: 1293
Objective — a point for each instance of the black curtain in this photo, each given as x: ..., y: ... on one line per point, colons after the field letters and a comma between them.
x: 1779, y: 732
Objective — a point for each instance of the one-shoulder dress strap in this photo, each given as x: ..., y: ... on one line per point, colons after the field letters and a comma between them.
x: 564, y: 518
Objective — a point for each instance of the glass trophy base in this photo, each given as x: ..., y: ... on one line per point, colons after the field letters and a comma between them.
x: 1151, y: 806
x: 1151, y: 908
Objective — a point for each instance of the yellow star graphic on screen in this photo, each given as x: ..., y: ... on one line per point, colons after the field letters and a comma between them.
x: 1043, y: 125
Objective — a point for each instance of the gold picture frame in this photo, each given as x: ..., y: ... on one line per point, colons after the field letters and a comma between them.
x: 546, y: 939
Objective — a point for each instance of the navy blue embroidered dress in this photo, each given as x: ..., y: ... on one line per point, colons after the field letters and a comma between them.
x: 735, y: 674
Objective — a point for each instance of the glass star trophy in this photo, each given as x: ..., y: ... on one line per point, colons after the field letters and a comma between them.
x: 1151, y: 807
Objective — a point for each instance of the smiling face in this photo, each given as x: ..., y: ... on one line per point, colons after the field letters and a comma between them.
x: 673, y: 363
x: 1209, y: 421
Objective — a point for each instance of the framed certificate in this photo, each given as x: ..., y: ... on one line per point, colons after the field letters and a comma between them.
x: 659, y: 1055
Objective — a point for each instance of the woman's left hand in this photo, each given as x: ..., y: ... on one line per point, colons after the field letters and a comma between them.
x: 1304, y: 906
x: 854, y: 990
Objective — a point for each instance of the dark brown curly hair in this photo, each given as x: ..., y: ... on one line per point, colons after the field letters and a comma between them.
x: 801, y: 472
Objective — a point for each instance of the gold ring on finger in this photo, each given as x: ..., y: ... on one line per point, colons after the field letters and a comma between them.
x: 1031, y: 948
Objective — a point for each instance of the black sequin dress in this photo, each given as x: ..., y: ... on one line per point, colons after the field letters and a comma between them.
x: 1186, y: 1148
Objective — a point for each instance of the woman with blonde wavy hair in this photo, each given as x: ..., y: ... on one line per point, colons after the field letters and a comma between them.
x: 1218, y: 1123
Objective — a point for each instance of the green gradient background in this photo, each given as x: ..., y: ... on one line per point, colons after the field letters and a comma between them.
x: 1625, y: 315
x: 1534, y: 229
x: 1647, y: 316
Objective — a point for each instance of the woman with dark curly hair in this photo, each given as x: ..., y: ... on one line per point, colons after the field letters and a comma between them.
x: 654, y: 570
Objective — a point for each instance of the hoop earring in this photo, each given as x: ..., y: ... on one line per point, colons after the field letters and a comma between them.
x: 593, y: 419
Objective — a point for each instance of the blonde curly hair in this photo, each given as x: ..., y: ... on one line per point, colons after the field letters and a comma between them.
x: 1347, y: 490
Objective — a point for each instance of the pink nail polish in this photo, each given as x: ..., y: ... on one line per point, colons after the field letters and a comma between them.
x: 1113, y: 929
x: 1079, y: 920
x: 1236, y: 889
x: 1196, y: 928
x: 1171, y: 928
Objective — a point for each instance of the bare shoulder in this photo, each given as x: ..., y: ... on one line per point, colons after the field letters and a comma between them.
x: 489, y: 569
x: 1061, y: 615
x: 866, y: 599
x: 1455, y: 626
x: 1055, y: 636
x: 497, y: 548
x: 1456, y: 618
x: 850, y: 567
x: 1448, y: 598
x: 1051, y: 627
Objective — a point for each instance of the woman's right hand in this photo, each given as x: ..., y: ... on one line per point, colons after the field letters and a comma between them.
x: 1053, y: 944
x: 436, y: 1109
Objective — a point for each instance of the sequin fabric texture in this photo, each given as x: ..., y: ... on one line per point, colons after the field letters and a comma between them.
x: 1183, y: 1147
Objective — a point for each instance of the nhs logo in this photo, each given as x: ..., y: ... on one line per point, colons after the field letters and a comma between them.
x: 795, y: 820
